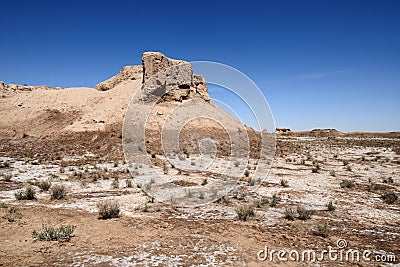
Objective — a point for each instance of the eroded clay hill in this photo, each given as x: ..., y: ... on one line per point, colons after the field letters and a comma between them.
x: 95, y: 115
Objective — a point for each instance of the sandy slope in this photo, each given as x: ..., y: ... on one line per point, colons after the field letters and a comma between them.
x: 45, y: 112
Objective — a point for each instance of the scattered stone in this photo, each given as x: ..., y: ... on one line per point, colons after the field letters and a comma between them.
x: 283, y: 130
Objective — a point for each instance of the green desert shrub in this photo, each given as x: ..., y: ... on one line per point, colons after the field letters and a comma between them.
x: 389, y: 197
x: 51, y: 233
x: 275, y: 200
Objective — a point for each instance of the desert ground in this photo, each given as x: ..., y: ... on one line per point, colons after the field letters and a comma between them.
x: 323, y: 186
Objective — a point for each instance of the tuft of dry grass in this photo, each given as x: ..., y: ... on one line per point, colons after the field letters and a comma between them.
x: 28, y: 193
x: 108, y: 209
x: 290, y: 214
x: 284, y: 183
x: 58, y: 192
x: 5, y: 164
x: 7, y: 177
x: 165, y: 168
x: 275, y: 200
x: 115, y: 183
x: 388, y: 180
x: 44, y: 185
x: 389, y: 197
x: 315, y: 170
x: 330, y: 206
x: 347, y: 184
x: 322, y: 230
x: 304, y: 214
x: 244, y: 212
x: 259, y: 202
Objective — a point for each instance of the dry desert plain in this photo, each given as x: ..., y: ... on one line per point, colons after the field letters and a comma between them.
x: 61, y: 158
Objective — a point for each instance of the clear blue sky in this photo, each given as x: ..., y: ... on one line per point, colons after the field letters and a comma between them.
x: 320, y: 64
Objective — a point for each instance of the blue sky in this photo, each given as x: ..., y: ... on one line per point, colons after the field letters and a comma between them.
x: 320, y: 64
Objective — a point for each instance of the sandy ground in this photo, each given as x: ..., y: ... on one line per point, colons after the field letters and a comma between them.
x: 156, y: 234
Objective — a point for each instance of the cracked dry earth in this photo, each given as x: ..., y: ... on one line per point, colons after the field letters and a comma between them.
x: 354, y: 173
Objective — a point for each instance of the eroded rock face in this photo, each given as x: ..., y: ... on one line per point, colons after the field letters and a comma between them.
x: 199, y: 83
x: 185, y: 85
x: 182, y: 84
x: 172, y: 84
x: 154, y: 62
x: 125, y: 74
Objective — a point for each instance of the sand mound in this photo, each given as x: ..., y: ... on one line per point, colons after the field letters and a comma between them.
x: 45, y: 112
